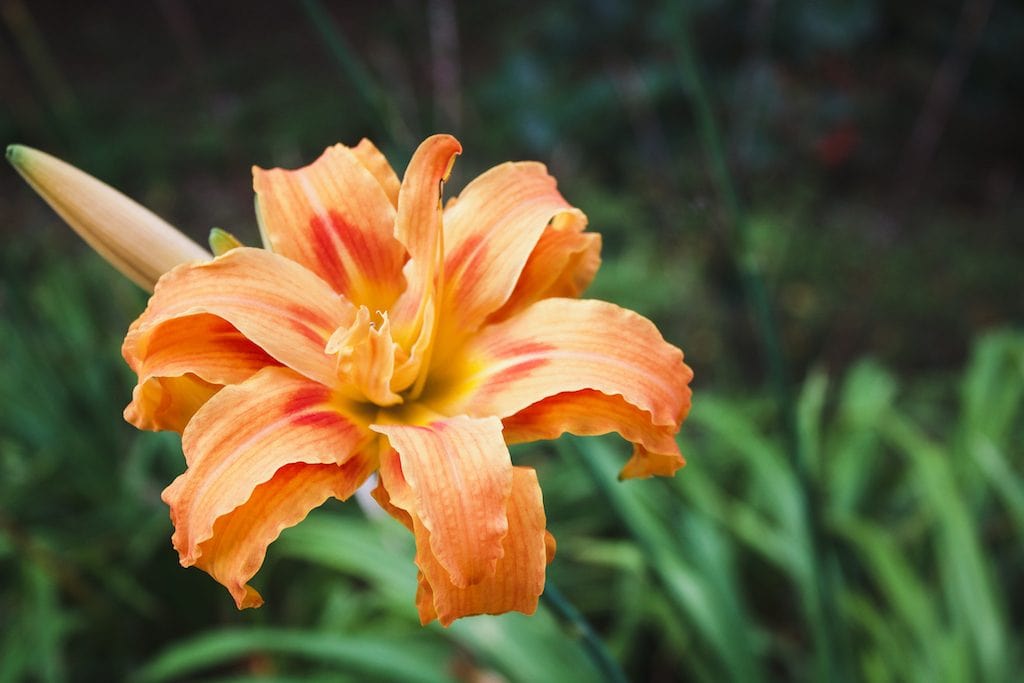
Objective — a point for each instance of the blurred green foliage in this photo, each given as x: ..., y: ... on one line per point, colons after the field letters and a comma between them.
x: 704, y: 577
x: 898, y: 494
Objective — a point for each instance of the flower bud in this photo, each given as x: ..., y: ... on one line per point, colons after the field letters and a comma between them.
x: 129, y: 236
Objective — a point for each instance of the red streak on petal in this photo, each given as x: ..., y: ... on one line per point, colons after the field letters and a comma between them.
x: 355, y: 243
x: 522, y: 348
x: 321, y: 418
x: 517, y: 371
x: 349, y: 257
x: 310, y: 407
x: 526, y: 357
x: 241, y: 346
x: 308, y: 332
x: 322, y: 231
x: 497, y: 382
x: 466, y: 260
x: 308, y: 324
x: 306, y: 398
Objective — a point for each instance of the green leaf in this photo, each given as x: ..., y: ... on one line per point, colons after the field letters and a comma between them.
x: 705, y: 588
x: 379, y: 658
x: 381, y: 554
x: 853, y: 442
x: 966, y: 576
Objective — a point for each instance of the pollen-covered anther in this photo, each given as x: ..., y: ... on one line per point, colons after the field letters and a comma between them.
x: 365, y: 353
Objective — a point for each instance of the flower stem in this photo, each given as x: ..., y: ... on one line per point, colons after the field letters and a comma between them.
x: 593, y: 644
x: 821, y: 608
x: 375, y: 99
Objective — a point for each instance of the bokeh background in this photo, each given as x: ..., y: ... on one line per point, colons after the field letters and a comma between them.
x: 819, y: 201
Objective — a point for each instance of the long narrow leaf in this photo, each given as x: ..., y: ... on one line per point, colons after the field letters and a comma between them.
x: 378, y: 658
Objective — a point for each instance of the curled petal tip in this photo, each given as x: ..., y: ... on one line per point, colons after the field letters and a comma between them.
x: 137, y: 242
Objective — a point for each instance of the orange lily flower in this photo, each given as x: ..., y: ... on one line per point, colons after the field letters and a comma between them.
x: 381, y: 331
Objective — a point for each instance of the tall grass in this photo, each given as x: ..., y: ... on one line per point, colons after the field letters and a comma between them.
x: 705, y: 577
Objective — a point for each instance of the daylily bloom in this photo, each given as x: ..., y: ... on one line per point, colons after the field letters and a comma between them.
x: 380, y: 331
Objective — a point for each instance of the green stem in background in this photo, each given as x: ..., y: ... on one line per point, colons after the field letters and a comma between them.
x: 594, y: 646
x: 374, y: 97
x: 822, y: 608
x: 45, y: 69
x: 720, y: 626
x: 753, y: 283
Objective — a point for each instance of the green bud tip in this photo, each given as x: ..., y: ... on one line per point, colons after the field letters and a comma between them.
x: 13, y: 152
x: 222, y: 241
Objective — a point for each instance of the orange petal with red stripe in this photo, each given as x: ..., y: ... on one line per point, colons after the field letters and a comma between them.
x: 563, y: 264
x: 566, y: 345
x: 275, y: 303
x: 246, y: 433
x: 235, y: 551
x: 203, y: 347
x: 334, y: 217
x: 560, y: 345
x: 489, y: 235
x: 455, y: 477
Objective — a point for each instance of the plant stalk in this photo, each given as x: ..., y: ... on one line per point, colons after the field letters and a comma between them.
x: 592, y: 643
x: 822, y: 608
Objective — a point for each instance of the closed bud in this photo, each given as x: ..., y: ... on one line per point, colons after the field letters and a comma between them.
x: 129, y: 236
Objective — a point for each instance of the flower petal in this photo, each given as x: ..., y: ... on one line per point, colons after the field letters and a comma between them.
x: 240, y: 538
x: 645, y: 463
x: 518, y: 579
x: 489, y: 234
x: 247, y: 432
x: 275, y: 303
x: 206, y: 348
x: 566, y: 345
x: 335, y: 218
x: 377, y: 164
x: 418, y: 227
x: 563, y: 264
x: 455, y: 476
x: 365, y: 355
x: 559, y: 345
x: 168, y: 403
x: 140, y: 244
x: 589, y: 413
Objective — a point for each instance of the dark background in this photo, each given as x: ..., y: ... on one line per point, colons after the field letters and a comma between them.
x: 819, y: 201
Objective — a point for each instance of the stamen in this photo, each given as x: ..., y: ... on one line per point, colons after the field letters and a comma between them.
x: 366, y: 357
